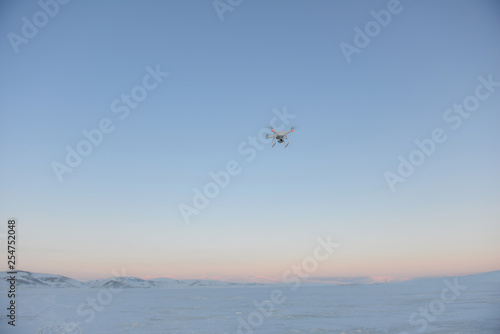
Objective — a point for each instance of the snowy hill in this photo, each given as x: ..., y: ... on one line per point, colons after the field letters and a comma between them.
x: 121, y: 282
x: 488, y: 278
x: 28, y: 279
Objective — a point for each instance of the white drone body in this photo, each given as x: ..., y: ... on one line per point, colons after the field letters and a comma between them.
x: 280, y: 136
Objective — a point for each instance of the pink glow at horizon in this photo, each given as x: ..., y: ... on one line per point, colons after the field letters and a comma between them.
x: 430, y: 269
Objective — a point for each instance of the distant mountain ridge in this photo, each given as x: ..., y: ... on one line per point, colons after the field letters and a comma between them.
x: 39, y: 280
x: 29, y: 279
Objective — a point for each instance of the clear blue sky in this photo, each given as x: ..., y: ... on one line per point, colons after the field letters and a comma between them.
x: 120, y: 206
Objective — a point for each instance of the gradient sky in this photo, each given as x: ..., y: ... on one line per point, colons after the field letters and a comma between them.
x: 120, y: 207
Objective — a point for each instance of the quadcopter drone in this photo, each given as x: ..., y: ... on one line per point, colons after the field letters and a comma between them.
x: 280, y: 136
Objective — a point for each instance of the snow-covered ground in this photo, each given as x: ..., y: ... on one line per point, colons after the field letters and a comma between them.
x: 48, y: 304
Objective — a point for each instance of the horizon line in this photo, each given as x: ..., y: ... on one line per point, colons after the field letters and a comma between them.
x: 268, y: 280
